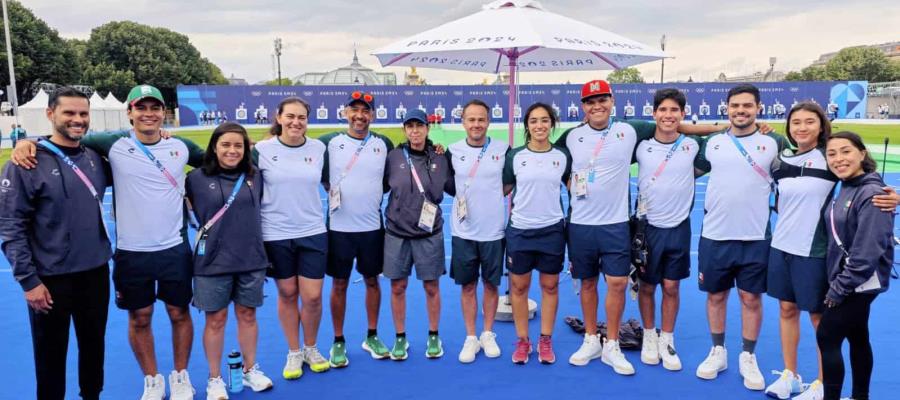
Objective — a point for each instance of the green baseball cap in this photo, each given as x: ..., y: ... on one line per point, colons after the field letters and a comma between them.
x: 141, y: 92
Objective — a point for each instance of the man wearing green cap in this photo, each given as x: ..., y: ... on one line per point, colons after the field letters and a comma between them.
x: 152, y: 258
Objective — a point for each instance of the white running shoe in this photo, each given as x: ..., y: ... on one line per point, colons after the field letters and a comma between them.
x: 590, y: 349
x: 293, y: 368
x: 650, y: 347
x: 154, y: 388
x: 256, y: 379
x: 488, y: 341
x: 666, y: 349
x: 753, y: 379
x: 180, y: 386
x: 215, y: 389
x: 470, y: 349
x: 787, y: 385
x: 813, y: 391
x: 612, y: 356
x: 715, y: 362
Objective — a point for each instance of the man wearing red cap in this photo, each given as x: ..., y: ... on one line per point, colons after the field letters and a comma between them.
x: 598, y: 231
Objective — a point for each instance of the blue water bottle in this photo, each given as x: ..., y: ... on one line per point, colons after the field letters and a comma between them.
x: 235, y: 372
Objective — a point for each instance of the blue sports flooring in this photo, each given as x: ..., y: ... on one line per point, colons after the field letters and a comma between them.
x: 419, y: 377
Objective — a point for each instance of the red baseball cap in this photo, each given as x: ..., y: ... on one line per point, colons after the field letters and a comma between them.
x: 595, y: 88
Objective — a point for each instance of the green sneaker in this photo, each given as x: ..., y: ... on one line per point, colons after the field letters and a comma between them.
x: 434, y: 349
x: 376, y: 348
x: 337, y: 356
x: 398, y: 353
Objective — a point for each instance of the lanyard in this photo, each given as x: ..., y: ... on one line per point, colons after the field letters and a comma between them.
x: 80, y: 174
x: 218, y: 215
x: 601, y: 143
x: 156, y: 162
x: 415, y: 175
x: 669, y: 155
x: 474, y: 167
x: 355, y: 157
x: 834, y: 234
x: 753, y: 164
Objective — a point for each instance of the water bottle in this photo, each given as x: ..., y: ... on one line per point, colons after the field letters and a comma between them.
x: 235, y: 372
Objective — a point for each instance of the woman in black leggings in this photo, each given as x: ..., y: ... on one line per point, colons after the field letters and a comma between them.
x: 859, y: 259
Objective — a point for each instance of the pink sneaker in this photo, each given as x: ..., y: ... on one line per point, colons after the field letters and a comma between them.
x: 523, y: 349
x: 545, y: 350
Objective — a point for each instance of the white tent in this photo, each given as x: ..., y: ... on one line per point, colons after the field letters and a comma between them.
x: 98, y: 113
x: 33, y: 115
x: 119, y: 118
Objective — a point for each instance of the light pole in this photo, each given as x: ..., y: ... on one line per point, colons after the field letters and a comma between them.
x: 13, y: 99
x: 662, y: 45
x: 278, y: 57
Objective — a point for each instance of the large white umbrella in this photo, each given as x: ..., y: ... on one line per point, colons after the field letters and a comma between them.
x: 521, y: 35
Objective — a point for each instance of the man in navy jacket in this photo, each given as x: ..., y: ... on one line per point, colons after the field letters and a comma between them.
x: 53, y: 235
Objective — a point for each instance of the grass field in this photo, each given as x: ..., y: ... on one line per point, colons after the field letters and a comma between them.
x: 872, y: 134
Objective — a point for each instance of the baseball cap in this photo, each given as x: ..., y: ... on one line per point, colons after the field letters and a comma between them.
x: 595, y: 88
x: 416, y: 115
x: 360, y: 96
x: 141, y: 92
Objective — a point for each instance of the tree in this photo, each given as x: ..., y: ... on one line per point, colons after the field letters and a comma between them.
x: 39, y: 54
x: 810, y: 73
x: 283, y: 82
x: 106, y: 78
x: 860, y: 64
x: 154, y: 56
x: 625, y: 75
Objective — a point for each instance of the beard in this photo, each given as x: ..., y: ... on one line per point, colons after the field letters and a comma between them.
x: 64, y: 129
x: 750, y: 122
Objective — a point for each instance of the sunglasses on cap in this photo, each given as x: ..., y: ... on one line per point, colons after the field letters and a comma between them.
x: 366, y: 97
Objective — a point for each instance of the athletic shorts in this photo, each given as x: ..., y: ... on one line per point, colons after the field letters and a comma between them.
x: 141, y: 277
x: 797, y: 279
x: 366, y: 247
x: 599, y: 248
x: 669, y: 253
x: 427, y: 254
x: 213, y: 293
x: 306, y: 257
x: 541, y: 249
x: 471, y: 258
x: 724, y: 263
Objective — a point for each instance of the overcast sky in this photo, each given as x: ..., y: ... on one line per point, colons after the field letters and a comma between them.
x: 705, y: 37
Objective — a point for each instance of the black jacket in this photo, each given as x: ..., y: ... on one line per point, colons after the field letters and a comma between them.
x: 405, y: 201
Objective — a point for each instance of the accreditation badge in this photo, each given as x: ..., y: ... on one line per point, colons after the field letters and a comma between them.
x: 427, y: 216
x: 579, y: 183
x: 462, y: 209
x: 200, y: 243
x: 334, y: 198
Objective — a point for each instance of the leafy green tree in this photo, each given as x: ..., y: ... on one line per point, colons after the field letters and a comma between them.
x: 283, y: 82
x: 105, y: 78
x: 810, y: 73
x: 625, y: 75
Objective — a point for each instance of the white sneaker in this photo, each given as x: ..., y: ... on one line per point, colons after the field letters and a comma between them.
x: 753, y: 379
x: 488, y: 342
x: 256, y: 379
x: 293, y: 368
x: 470, y: 349
x: 814, y: 391
x: 715, y: 362
x: 215, y: 389
x: 180, y: 386
x: 612, y: 356
x: 787, y: 384
x: 650, y: 347
x: 666, y: 350
x: 154, y: 388
x: 590, y: 349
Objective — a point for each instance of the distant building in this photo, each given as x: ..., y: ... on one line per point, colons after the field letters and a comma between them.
x: 412, y: 78
x: 353, y: 74
x: 891, y: 51
x: 770, y: 76
x: 237, y: 81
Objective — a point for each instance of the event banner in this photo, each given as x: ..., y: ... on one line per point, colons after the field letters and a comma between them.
x: 202, y: 104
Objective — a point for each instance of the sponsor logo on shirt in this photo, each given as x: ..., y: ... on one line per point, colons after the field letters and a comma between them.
x: 174, y: 153
x: 716, y: 147
x: 275, y: 158
x: 5, y: 183
x: 686, y: 148
x: 620, y: 136
x: 308, y: 160
x: 556, y: 164
x: 212, y: 186
x: 55, y: 172
x: 496, y: 157
x: 761, y: 148
x: 131, y: 150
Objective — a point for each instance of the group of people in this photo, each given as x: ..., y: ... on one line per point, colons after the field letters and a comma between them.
x: 210, y: 117
x: 260, y: 214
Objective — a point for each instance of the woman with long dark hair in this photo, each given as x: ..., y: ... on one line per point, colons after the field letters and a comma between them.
x: 229, y: 259
x: 535, y: 173
x: 859, y: 260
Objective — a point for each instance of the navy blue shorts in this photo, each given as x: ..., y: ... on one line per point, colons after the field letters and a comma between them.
x: 797, y: 279
x: 306, y: 257
x: 471, y: 259
x: 726, y: 262
x: 599, y: 248
x: 670, y: 253
x: 141, y: 277
x: 366, y: 247
x: 541, y: 249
